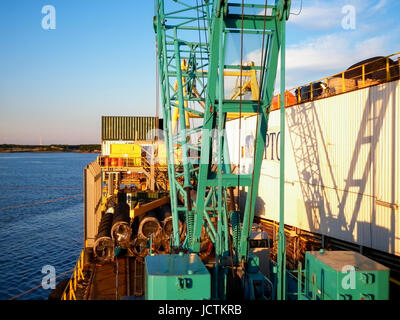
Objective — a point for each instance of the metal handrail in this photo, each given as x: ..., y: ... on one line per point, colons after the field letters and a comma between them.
x: 360, y: 81
x: 70, y: 290
x: 128, y: 162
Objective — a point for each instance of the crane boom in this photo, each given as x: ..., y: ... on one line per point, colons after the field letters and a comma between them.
x: 201, y: 175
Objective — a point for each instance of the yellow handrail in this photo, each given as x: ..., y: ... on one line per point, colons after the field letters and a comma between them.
x: 346, y: 86
x: 70, y: 289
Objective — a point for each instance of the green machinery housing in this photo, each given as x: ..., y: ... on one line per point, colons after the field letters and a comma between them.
x: 343, y: 275
x: 176, y: 277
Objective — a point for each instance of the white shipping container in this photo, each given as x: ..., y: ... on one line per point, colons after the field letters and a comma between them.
x: 342, y: 172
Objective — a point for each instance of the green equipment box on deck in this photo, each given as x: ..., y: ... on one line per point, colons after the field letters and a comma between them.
x: 344, y: 275
x: 176, y: 277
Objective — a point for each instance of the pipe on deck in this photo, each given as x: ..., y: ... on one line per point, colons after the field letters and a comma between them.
x: 104, y: 246
x: 149, y: 226
x: 121, y: 230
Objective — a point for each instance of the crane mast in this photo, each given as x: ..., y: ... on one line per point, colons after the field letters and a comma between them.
x: 194, y: 69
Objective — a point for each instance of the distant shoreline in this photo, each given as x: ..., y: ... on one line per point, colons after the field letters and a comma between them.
x: 82, y: 148
x: 31, y: 151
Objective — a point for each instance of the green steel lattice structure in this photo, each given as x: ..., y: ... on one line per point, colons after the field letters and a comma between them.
x: 200, y: 173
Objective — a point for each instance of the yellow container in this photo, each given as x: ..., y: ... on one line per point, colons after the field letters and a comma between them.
x: 128, y: 150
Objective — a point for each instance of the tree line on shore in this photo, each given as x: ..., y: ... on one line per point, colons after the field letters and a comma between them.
x: 50, y: 148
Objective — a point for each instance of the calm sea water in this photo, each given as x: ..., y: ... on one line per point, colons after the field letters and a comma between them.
x: 45, y: 234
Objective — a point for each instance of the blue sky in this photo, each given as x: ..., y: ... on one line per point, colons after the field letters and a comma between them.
x: 317, y: 44
x: 100, y: 60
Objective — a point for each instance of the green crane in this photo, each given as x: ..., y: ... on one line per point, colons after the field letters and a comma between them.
x: 193, y: 63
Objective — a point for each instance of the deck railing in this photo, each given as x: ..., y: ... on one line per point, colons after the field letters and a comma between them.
x: 70, y: 290
x: 128, y: 162
x: 373, y: 72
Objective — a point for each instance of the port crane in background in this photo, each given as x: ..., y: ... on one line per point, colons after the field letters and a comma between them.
x: 201, y: 177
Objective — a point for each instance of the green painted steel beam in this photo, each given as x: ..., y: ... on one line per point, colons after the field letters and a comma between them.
x: 267, y: 87
x: 209, y: 124
x: 186, y: 28
x: 281, y: 258
x: 250, y: 5
x: 164, y: 85
x: 213, y: 180
x: 247, y: 106
x: 198, y: 113
x: 230, y: 180
x: 187, y: 9
x: 250, y: 23
x: 222, y: 224
x: 182, y: 122
x: 247, y: 31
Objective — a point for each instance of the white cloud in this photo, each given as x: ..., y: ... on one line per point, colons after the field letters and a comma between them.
x: 374, y: 46
x: 330, y: 54
x: 379, y: 5
x: 323, y: 53
x: 323, y: 15
x: 334, y: 51
x: 318, y: 17
x: 326, y: 55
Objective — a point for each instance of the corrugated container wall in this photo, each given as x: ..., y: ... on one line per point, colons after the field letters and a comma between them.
x: 342, y: 168
x: 129, y: 128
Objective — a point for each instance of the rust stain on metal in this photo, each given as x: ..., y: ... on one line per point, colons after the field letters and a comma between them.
x: 393, y: 206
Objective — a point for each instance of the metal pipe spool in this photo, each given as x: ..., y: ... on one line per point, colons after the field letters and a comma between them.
x: 167, y: 225
x: 168, y: 228
x: 121, y: 230
x: 150, y: 226
x: 121, y: 233
x: 104, y: 246
x: 139, y: 246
